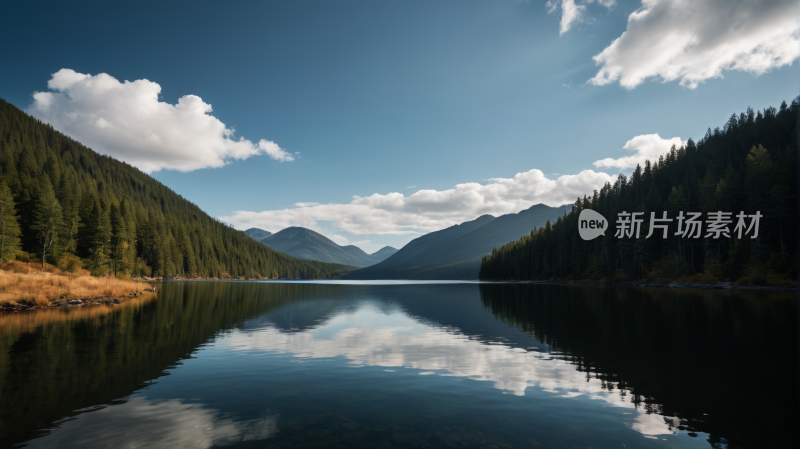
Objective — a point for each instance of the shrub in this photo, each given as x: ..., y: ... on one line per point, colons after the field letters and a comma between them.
x: 69, y: 263
x: 17, y: 267
x: 755, y: 273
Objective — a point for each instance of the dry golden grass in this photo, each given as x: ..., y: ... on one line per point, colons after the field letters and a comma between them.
x: 30, y: 284
x: 15, y: 323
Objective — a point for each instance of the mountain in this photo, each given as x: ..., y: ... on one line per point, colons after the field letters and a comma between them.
x: 258, y: 234
x: 383, y: 253
x: 306, y: 244
x: 81, y: 208
x: 748, y: 167
x: 455, y: 252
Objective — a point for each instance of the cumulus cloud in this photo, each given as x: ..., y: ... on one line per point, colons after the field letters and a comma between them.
x: 428, y: 210
x: 431, y: 210
x: 644, y: 147
x: 573, y: 13
x: 694, y: 40
x: 127, y: 121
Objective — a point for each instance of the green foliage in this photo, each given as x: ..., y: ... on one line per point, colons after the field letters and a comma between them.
x: 69, y: 263
x: 730, y: 169
x: 47, y: 219
x: 121, y: 221
x: 9, y: 228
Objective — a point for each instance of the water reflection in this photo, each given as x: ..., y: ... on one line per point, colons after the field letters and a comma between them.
x: 367, y: 336
x: 724, y: 362
x: 147, y: 423
x: 55, y: 363
x: 288, y: 365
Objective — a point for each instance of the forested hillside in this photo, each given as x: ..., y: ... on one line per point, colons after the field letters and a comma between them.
x: 64, y: 202
x: 750, y: 165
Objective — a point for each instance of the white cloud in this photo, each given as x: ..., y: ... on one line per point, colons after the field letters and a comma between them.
x: 694, y: 40
x: 573, y: 13
x: 428, y: 210
x: 127, y: 121
x: 274, y: 151
x: 644, y: 147
x: 339, y: 239
x: 570, y: 13
x: 431, y: 210
x: 607, y: 3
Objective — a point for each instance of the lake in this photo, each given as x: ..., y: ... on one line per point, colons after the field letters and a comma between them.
x: 396, y: 364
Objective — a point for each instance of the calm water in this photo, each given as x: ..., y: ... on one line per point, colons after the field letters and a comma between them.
x: 264, y: 364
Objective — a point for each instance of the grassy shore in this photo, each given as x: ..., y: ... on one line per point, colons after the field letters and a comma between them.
x: 29, y: 285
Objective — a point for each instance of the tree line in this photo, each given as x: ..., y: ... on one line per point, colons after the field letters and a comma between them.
x: 748, y: 165
x: 64, y: 204
x: 635, y: 342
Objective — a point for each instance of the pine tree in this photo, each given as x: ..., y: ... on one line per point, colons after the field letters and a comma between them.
x: 9, y: 227
x: 47, y: 216
x: 98, y: 234
x: 118, y: 241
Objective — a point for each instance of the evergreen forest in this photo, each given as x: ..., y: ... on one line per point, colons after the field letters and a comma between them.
x: 748, y: 165
x: 63, y: 204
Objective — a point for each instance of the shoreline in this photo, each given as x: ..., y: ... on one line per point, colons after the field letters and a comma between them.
x: 112, y: 300
x: 31, y: 286
x: 718, y: 286
x: 8, y: 307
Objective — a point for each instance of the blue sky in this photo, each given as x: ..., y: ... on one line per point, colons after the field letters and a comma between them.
x: 384, y: 99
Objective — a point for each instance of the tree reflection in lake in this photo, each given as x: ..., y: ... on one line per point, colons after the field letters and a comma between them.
x: 723, y: 362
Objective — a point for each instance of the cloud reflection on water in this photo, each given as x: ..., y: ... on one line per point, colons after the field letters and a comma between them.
x: 369, y: 337
x: 150, y: 423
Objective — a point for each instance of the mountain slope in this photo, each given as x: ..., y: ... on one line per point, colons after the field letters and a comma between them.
x: 114, y: 219
x: 455, y: 252
x: 258, y: 234
x: 306, y: 244
x: 383, y: 253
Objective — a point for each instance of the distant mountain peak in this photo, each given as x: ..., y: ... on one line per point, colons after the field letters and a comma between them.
x: 386, y: 251
x: 455, y: 252
x: 258, y: 234
x: 304, y: 243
